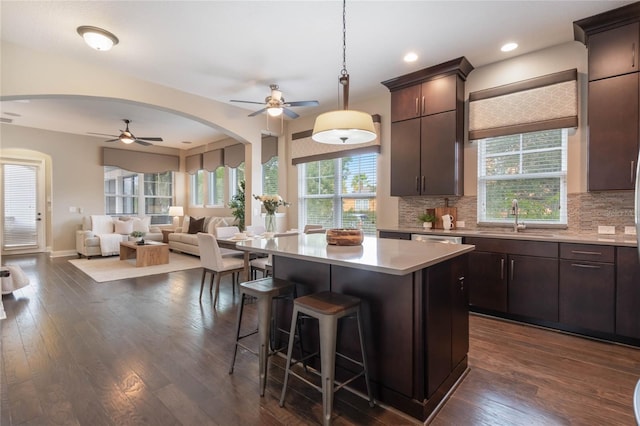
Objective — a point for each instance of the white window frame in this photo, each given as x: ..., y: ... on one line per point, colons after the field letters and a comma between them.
x: 194, y: 189
x: 482, y: 218
x: 211, y: 188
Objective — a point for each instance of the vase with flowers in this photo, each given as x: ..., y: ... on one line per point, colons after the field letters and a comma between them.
x: 271, y: 204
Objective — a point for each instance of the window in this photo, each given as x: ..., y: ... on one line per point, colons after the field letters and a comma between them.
x: 270, y: 176
x: 125, y: 196
x: 528, y: 167
x: 216, y: 187
x: 197, y: 188
x: 236, y: 175
x: 339, y: 193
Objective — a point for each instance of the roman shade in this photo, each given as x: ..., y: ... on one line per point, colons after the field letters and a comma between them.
x: 193, y: 163
x: 140, y: 162
x: 305, y: 150
x: 541, y: 103
x: 234, y: 155
x: 211, y: 160
x: 269, y: 148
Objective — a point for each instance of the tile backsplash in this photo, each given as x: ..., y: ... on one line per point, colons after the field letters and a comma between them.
x: 587, y: 210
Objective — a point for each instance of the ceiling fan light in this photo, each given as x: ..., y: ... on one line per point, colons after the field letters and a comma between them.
x: 274, y: 111
x: 344, y: 127
x: 97, y: 38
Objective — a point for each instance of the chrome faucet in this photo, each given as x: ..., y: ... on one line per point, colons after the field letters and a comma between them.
x: 515, y: 210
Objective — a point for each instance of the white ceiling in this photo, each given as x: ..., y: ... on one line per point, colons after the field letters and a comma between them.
x: 226, y: 50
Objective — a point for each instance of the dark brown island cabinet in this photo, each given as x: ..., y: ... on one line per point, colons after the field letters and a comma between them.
x: 627, y: 293
x: 613, y: 42
x: 427, y: 130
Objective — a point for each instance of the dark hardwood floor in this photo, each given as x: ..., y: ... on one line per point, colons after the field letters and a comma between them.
x: 144, y: 351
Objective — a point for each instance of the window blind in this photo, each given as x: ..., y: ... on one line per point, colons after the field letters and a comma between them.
x: 541, y: 103
x: 20, y: 189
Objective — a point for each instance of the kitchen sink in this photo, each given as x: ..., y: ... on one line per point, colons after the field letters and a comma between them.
x: 525, y: 233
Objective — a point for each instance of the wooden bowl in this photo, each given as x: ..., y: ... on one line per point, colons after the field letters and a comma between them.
x: 345, y: 237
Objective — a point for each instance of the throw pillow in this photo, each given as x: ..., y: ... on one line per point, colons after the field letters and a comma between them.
x: 141, y: 224
x: 124, y: 227
x: 195, y: 225
x: 213, y: 222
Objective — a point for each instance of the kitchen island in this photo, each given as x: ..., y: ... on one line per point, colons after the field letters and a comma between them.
x: 415, y: 310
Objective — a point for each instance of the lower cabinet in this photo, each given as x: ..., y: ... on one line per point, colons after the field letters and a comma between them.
x: 515, y: 277
x: 627, y: 292
x: 587, y: 287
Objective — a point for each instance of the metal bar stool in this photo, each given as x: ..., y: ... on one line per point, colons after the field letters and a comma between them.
x: 327, y: 308
x: 265, y: 291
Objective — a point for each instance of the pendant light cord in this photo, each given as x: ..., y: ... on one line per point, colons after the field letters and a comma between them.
x: 344, y: 75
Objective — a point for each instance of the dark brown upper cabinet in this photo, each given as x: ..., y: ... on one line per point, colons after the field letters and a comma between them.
x: 614, y: 52
x: 427, y: 130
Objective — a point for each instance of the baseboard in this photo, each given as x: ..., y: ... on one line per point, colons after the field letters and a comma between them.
x: 63, y: 253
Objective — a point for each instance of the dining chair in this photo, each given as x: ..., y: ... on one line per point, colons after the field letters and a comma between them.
x: 256, y: 229
x: 262, y: 264
x: 218, y: 266
x: 224, y: 233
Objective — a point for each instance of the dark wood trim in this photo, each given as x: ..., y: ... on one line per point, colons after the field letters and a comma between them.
x: 558, y: 123
x: 460, y: 66
x: 521, y: 86
x: 586, y: 27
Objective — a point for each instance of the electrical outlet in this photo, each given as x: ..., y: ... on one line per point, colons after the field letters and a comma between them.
x: 72, y: 209
x: 460, y: 224
x: 606, y: 230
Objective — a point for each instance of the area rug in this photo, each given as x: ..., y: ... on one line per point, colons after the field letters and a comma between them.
x: 103, y: 269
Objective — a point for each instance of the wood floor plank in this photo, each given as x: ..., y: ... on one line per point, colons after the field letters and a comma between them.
x: 146, y: 351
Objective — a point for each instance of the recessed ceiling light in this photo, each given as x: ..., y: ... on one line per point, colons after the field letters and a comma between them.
x: 508, y: 47
x: 97, y: 38
x: 410, y: 57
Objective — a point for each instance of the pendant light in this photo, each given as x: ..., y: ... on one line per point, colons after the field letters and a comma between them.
x: 344, y: 126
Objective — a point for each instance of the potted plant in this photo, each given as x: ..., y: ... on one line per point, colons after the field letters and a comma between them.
x: 138, y: 236
x: 237, y: 205
x: 427, y: 219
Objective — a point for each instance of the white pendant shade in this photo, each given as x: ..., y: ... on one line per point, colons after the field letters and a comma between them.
x: 344, y: 127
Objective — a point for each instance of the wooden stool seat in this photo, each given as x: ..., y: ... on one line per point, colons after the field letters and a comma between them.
x: 327, y: 303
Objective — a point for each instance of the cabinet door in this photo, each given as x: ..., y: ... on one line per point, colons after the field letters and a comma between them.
x: 613, y: 132
x: 405, y: 103
x: 405, y: 158
x: 614, y: 52
x: 439, y: 153
x: 533, y: 287
x: 487, y: 281
x: 439, y: 95
x: 587, y: 295
x: 628, y: 292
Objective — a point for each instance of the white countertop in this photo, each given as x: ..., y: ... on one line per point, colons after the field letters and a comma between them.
x: 552, y: 235
x: 397, y: 257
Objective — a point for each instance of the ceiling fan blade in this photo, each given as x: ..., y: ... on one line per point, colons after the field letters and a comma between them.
x: 247, y: 102
x: 253, y: 114
x: 102, y: 134
x: 290, y: 113
x: 113, y: 140
x: 142, y: 142
x: 151, y: 139
x: 302, y: 103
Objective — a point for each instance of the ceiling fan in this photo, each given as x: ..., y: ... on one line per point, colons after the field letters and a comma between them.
x: 127, y: 137
x: 275, y: 104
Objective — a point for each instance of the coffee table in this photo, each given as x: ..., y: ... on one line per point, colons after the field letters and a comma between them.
x: 149, y: 254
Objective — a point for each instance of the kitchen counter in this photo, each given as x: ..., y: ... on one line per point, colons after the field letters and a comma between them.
x: 415, y: 310
x: 396, y: 257
x: 552, y: 235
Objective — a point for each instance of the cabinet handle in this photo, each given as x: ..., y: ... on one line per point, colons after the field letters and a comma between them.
x: 424, y: 180
x: 593, y: 253
x: 417, y: 107
x: 461, y: 280
x: 513, y: 267
x: 633, y: 55
x: 423, y: 107
x: 417, y: 184
x: 633, y: 163
x: 502, y: 269
x: 582, y: 265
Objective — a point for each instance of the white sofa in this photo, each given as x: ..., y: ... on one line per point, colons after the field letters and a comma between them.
x: 181, y: 240
x: 101, y: 234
